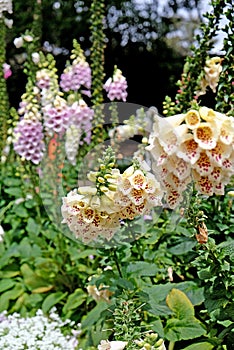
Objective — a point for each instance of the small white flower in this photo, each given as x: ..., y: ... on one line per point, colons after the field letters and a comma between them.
x: 8, y: 22
x: 1, y: 233
x: 112, y: 345
x: 36, y: 57
x: 18, y: 42
x: 28, y: 38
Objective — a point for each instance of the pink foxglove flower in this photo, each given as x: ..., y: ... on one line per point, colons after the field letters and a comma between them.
x: 28, y: 142
x: 6, y: 70
x: 116, y: 87
x: 80, y: 115
x: 56, y: 116
x: 76, y: 75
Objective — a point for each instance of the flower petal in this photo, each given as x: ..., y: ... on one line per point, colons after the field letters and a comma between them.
x: 206, y: 135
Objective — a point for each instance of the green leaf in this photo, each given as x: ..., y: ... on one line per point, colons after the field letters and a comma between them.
x: 94, y: 315
x: 180, y: 304
x: 12, y: 294
x: 31, y: 279
x: 5, y: 284
x: 142, y: 268
x: 199, y: 346
x: 158, y: 328
x: 21, y: 211
x: 204, y: 274
x: 14, y: 191
x: 51, y: 300
x: 74, y: 300
x: 33, y: 227
x: 12, y: 182
x: 182, y: 248
x: 183, y: 329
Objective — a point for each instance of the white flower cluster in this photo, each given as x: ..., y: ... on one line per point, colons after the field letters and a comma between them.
x: 112, y: 345
x: 197, y: 146
x: 5, y: 6
x: 37, y: 333
x: 89, y: 213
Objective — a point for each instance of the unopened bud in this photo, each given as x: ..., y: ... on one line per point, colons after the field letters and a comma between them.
x: 101, y: 180
x: 104, y: 189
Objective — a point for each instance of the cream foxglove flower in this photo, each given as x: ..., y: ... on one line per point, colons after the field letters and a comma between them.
x: 192, y: 119
x: 207, y: 114
x: 112, y: 345
x: 137, y: 180
x: 227, y: 131
x: 156, y: 150
x: 203, y: 165
x: 87, y: 190
x: 212, y: 70
x: 189, y: 150
x: 180, y: 167
x: 203, y: 184
x: 206, y: 135
x: 219, y: 153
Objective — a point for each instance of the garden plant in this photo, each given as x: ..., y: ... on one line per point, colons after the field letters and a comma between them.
x: 116, y: 223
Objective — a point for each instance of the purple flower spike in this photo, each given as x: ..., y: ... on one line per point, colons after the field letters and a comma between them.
x: 28, y: 141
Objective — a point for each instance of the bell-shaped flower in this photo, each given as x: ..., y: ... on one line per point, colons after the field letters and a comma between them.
x: 212, y: 70
x: 189, y: 150
x: 203, y: 184
x: 219, y: 153
x: 203, y: 165
x: 137, y: 180
x: 207, y: 114
x: 192, y: 119
x: 206, y: 135
x: 180, y: 167
x: 157, y: 152
x: 227, y: 131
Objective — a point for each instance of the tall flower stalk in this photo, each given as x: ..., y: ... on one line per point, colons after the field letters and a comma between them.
x: 4, y: 101
x: 191, y: 76
x: 97, y: 65
x: 225, y: 96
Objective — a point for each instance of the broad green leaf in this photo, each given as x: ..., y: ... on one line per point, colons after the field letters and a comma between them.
x: 74, y: 300
x: 33, y: 227
x: 205, y: 274
x: 9, y: 274
x: 180, y: 304
x: 5, y: 284
x: 14, y: 191
x: 183, y: 329
x: 21, y: 211
x: 51, y: 300
x: 12, y: 182
x: 142, y: 268
x: 158, y: 328
x: 12, y: 294
x: 31, y: 279
x: 94, y: 315
x: 183, y: 247
x: 199, y: 346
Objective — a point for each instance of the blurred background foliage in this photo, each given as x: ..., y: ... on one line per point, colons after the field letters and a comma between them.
x: 147, y: 40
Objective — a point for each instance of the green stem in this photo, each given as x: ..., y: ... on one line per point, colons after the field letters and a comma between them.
x: 117, y: 263
x: 171, y: 345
